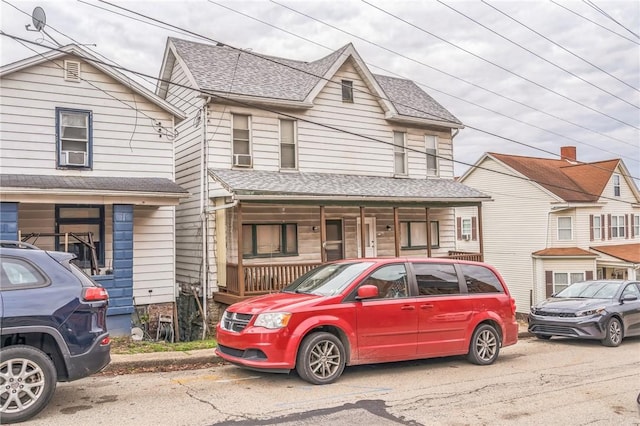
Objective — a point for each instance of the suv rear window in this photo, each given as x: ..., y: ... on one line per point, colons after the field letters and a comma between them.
x: 481, y: 280
x: 18, y: 273
x: 435, y: 279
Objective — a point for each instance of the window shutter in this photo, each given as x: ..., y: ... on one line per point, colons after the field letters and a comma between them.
x: 591, y: 227
x: 459, y: 226
x: 609, y: 224
x: 602, y: 226
x: 626, y: 226
x: 588, y: 275
x: 474, y: 229
x: 548, y: 278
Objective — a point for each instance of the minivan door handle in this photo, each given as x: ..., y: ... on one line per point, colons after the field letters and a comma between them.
x: 426, y: 306
x: 408, y: 308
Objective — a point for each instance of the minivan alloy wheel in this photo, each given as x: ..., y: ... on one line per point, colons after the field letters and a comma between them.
x: 484, y: 346
x: 321, y: 358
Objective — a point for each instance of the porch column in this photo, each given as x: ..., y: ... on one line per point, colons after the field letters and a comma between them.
x: 240, y: 267
x: 363, y: 248
x: 120, y: 289
x: 428, y: 219
x: 480, y: 238
x: 9, y: 221
x: 323, y: 235
x: 396, y: 234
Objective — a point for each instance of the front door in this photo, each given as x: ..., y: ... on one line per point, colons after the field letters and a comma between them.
x: 369, y: 237
x: 334, y: 245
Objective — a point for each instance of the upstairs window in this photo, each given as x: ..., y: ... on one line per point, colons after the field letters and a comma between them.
x: 431, y: 146
x: 617, y: 226
x: 565, y: 231
x: 616, y: 185
x: 288, y: 144
x: 74, y: 137
x: 241, y: 141
x: 597, y: 228
x: 400, y: 153
x: 636, y: 225
x: 347, y: 91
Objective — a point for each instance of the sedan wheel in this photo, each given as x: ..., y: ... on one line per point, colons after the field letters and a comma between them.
x: 321, y: 358
x: 27, y: 383
x: 484, y: 346
x: 614, y: 333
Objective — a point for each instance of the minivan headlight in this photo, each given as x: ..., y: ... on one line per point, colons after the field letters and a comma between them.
x: 273, y: 320
x: 596, y: 311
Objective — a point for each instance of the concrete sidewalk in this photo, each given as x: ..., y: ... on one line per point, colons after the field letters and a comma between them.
x: 195, y: 359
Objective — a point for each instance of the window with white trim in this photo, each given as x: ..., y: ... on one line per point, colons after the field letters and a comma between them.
x: 616, y: 185
x: 413, y: 235
x: 288, y: 144
x: 466, y: 229
x: 617, y: 226
x: 74, y: 130
x: 241, y: 140
x: 636, y: 225
x: 431, y: 147
x: 400, y: 153
x: 562, y: 280
x: 565, y: 231
x: 597, y: 227
x: 347, y: 91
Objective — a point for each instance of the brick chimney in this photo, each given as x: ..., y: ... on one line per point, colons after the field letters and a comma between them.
x: 568, y: 153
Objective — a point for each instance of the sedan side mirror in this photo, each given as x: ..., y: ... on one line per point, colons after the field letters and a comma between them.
x: 629, y: 298
x: 367, y: 292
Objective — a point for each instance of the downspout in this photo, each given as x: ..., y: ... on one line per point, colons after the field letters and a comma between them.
x: 204, y: 194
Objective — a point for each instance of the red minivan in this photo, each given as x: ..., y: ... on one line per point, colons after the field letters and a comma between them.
x: 366, y: 311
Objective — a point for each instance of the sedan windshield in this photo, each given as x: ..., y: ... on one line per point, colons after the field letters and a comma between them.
x: 591, y: 290
x: 328, y: 280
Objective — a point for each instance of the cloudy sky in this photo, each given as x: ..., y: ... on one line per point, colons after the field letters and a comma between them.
x: 525, y: 77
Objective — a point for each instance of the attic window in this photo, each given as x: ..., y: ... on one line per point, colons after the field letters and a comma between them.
x: 347, y: 91
x: 72, y: 71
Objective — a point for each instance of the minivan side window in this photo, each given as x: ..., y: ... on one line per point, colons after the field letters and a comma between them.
x: 481, y: 280
x: 391, y: 281
x: 436, y: 279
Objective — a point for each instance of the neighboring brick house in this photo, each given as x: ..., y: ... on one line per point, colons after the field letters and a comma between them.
x: 553, y: 222
x: 87, y: 158
x: 294, y: 163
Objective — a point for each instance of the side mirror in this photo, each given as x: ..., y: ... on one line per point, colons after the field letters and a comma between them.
x: 629, y: 298
x: 367, y: 292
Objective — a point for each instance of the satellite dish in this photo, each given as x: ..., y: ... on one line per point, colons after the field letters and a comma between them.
x: 38, y: 18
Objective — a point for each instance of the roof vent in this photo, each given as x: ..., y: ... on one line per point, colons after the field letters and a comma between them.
x: 72, y: 71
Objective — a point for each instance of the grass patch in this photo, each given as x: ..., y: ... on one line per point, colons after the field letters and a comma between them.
x: 127, y: 346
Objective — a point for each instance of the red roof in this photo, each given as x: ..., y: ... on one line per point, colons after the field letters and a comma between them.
x: 564, y: 251
x: 626, y: 252
x: 570, y: 181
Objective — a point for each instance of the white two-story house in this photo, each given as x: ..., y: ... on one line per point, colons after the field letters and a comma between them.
x: 87, y: 166
x: 292, y: 163
x: 553, y: 222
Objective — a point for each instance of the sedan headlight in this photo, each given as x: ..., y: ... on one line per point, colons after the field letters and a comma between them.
x: 273, y: 320
x: 589, y: 312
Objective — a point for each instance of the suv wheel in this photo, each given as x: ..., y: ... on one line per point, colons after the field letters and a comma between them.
x: 484, y: 346
x: 321, y: 358
x: 614, y: 333
x: 27, y: 382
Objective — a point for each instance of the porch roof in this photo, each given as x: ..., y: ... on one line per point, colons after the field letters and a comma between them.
x: 626, y: 252
x: 261, y: 185
x: 564, y: 252
x: 126, y: 190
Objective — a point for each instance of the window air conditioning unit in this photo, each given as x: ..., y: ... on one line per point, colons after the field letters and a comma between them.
x: 73, y: 158
x: 242, y: 160
x: 466, y: 237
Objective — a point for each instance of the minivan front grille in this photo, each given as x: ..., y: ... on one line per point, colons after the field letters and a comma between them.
x: 234, y: 321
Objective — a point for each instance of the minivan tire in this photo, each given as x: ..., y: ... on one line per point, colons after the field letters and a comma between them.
x: 22, y: 366
x: 321, y: 358
x: 484, y: 346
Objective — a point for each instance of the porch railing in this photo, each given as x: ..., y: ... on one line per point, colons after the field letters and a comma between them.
x: 262, y: 279
x: 463, y: 255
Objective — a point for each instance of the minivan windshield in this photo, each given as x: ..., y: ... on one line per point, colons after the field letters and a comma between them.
x: 591, y: 290
x: 328, y: 280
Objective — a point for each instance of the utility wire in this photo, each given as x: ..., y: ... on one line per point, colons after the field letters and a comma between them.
x: 593, y: 22
x: 501, y: 67
x: 597, y: 8
x: 324, y: 125
x: 434, y: 89
x: 451, y: 75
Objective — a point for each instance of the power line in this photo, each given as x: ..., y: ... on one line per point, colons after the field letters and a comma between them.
x: 502, y: 68
x: 434, y: 89
x: 337, y: 129
x: 593, y: 22
x: 597, y: 8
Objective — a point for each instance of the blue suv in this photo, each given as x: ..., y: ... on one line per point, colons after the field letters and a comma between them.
x: 52, y: 327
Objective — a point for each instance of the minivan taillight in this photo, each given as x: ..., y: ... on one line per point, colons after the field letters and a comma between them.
x: 513, y: 306
x: 92, y: 294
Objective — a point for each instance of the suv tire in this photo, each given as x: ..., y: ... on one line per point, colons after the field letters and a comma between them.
x: 321, y: 358
x: 484, y: 346
x: 22, y: 366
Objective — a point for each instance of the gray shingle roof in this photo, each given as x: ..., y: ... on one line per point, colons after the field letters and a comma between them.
x: 92, y: 183
x: 225, y: 69
x: 322, y: 185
